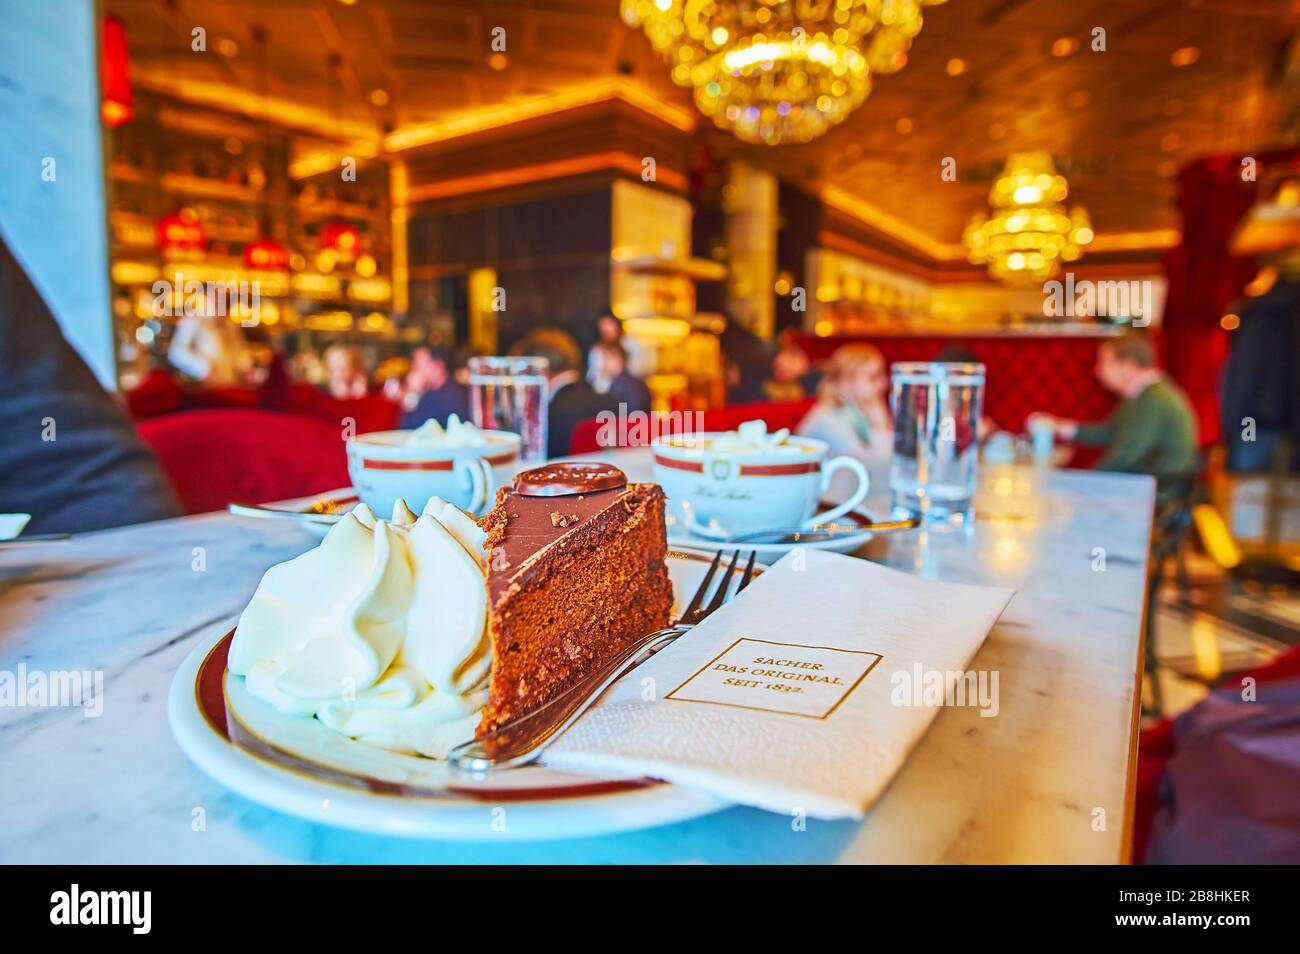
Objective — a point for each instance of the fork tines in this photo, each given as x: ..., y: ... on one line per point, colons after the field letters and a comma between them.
x: 694, y: 613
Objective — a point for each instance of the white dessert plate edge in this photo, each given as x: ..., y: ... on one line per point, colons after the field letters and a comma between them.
x: 607, y: 809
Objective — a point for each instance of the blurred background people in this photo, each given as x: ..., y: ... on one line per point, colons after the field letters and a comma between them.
x: 210, y: 349
x: 852, y: 409
x: 1260, y: 397
x: 572, y: 398
x: 791, y: 373
x: 69, y: 456
x: 609, y: 330
x: 609, y: 375
x: 1153, y: 431
x: 432, y: 390
x: 746, y: 364
x: 345, y: 372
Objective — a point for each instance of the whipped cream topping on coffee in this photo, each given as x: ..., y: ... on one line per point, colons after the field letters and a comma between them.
x: 380, y: 632
x: 457, y: 433
x: 752, y: 438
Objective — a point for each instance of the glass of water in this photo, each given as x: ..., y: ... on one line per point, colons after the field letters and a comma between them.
x: 936, y: 408
x: 510, y: 394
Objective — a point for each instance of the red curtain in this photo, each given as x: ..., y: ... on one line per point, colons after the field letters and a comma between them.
x: 1204, y: 280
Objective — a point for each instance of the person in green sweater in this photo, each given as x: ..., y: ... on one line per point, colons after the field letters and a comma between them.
x: 1153, y: 431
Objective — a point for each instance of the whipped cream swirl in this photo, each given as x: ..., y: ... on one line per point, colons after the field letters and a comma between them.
x: 380, y: 632
x: 752, y: 438
x: 457, y: 433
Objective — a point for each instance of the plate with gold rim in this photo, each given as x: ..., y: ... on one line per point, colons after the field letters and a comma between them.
x: 297, y: 766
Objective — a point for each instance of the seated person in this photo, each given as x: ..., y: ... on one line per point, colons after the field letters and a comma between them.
x: 1260, y: 399
x: 609, y: 375
x: 852, y: 409
x: 345, y: 372
x: 212, y: 350
x: 437, y: 394
x: 747, y: 363
x: 790, y: 369
x: 1153, y: 430
x: 572, y: 398
x: 70, y: 457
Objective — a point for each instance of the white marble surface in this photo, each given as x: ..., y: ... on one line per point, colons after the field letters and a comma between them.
x: 1029, y: 785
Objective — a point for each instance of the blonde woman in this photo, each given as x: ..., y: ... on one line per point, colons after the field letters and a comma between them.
x: 852, y: 409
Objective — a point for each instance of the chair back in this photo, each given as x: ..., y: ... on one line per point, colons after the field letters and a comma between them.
x: 221, y: 455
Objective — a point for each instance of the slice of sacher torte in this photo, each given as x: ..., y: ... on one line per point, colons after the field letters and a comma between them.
x: 576, y: 571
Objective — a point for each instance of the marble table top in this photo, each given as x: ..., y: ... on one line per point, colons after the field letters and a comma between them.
x: 1049, y: 779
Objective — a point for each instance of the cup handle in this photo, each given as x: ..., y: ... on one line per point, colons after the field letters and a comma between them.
x: 864, y: 483
x: 482, y: 484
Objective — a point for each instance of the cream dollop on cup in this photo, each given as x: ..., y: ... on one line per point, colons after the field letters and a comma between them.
x: 457, y: 433
x: 459, y: 463
x: 380, y: 632
x: 747, y: 480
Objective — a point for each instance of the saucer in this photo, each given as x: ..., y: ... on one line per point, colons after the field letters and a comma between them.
x: 680, y: 538
x: 332, y: 501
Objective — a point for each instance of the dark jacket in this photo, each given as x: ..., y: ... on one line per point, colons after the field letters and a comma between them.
x: 69, y: 455
x: 570, y: 405
x: 1261, y: 380
x: 440, y: 404
x: 631, y: 391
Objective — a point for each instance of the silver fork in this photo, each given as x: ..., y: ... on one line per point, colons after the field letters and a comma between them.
x: 521, y: 741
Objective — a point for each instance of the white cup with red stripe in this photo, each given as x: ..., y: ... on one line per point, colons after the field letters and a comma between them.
x: 387, y: 465
x: 731, y: 484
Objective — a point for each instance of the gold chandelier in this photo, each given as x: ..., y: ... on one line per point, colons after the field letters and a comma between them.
x: 1028, y: 233
x: 778, y: 71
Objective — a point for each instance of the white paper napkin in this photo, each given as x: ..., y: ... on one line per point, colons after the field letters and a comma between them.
x: 804, y: 694
x: 12, y: 524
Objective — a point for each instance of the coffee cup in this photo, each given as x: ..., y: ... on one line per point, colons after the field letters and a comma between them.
x: 383, y: 467
x: 732, y: 490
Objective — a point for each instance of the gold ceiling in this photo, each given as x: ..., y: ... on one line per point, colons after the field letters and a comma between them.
x: 984, y: 79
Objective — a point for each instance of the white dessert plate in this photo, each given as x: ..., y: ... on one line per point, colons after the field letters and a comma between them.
x: 297, y: 766
x: 680, y: 538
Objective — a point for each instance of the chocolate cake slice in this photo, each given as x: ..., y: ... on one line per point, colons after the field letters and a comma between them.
x: 576, y: 570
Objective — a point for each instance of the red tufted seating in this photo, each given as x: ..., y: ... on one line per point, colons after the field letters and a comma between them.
x: 223, y: 454
x: 1025, y: 374
x: 160, y: 393
x: 374, y: 412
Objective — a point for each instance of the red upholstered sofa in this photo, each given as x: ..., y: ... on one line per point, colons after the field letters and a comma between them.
x: 160, y: 393
x: 219, y: 455
x: 1024, y: 373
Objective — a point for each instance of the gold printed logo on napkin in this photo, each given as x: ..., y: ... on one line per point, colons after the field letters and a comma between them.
x: 808, y: 681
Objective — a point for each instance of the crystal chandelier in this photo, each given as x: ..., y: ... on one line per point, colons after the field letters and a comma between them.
x: 1028, y: 233
x: 778, y: 71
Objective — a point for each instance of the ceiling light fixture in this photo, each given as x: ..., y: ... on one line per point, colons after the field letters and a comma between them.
x: 1029, y: 233
x: 780, y: 71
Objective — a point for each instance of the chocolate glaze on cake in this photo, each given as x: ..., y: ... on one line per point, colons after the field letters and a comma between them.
x: 572, y: 577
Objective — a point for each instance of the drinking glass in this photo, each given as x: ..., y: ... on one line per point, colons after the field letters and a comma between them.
x: 510, y: 394
x: 936, y: 408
